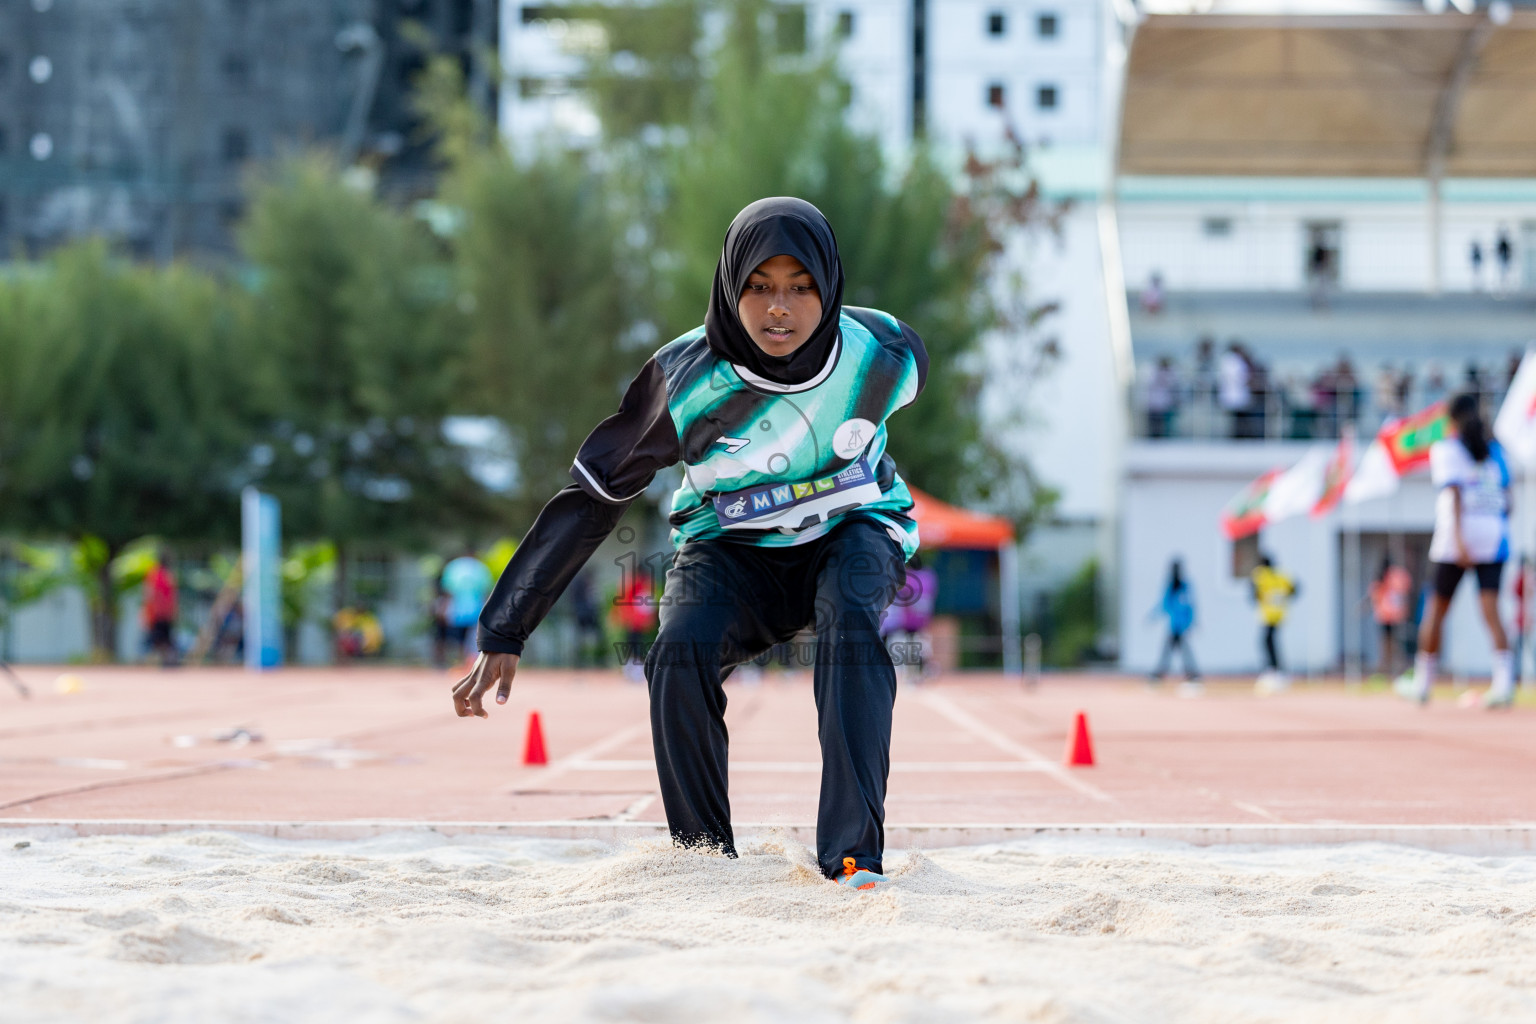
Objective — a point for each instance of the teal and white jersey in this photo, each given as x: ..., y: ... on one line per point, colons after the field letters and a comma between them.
x: 766, y: 463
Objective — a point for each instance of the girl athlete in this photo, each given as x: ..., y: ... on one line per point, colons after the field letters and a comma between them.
x: 1471, y: 532
x: 790, y: 514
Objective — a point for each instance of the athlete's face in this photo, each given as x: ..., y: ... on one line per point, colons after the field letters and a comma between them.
x: 780, y: 306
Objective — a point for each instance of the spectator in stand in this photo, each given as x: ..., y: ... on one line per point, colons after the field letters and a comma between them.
x: 1476, y: 257
x: 1405, y: 388
x: 1473, y: 383
x: 1325, y: 398
x: 1512, y: 367
x: 1259, y: 404
x: 1388, y: 403
x: 1202, y: 389
x: 1434, y: 386
x: 1505, y: 250
x: 159, y: 612
x: 1347, y: 393
x: 1152, y: 295
x: 1302, y: 407
x: 1232, y: 379
x: 1389, y: 604
x: 1162, y: 398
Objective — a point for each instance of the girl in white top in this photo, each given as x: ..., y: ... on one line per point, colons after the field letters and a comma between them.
x: 1471, y: 532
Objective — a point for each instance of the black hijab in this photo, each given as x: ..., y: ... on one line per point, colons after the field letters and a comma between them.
x: 779, y: 226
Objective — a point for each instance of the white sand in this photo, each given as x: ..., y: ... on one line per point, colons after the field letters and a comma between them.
x: 227, y: 928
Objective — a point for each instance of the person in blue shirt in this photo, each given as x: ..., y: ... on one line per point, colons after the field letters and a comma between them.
x: 1178, y: 604
x: 467, y: 582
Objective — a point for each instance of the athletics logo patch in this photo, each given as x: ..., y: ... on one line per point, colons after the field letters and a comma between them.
x: 852, y: 436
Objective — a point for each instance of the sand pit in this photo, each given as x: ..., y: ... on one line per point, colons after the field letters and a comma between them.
x: 234, y: 928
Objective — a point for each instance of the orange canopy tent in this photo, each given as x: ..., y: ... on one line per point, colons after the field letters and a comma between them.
x: 941, y: 525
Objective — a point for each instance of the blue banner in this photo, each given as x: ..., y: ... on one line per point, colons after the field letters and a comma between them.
x: 261, y: 546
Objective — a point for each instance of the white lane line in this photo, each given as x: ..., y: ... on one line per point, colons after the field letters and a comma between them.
x: 1257, y: 811
x: 796, y: 767
x: 583, y: 756
x: 635, y: 809
x: 950, y: 710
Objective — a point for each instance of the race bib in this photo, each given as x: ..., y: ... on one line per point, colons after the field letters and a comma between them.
x: 791, y: 507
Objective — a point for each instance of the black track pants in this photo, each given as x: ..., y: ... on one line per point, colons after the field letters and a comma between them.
x: 726, y: 603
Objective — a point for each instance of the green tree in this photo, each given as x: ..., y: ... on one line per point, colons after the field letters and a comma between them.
x: 123, y: 412
x: 917, y: 239
x: 354, y: 310
x: 550, y: 300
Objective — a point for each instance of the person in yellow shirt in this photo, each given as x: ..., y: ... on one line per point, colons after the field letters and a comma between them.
x: 1273, y: 592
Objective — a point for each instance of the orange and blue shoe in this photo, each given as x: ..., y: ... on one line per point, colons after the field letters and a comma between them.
x: 858, y: 877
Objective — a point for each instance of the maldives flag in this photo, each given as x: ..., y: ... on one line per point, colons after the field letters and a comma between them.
x: 1337, y: 474
x: 1515, y: 426
x: 1244, y: 514
x: 1407, y: 440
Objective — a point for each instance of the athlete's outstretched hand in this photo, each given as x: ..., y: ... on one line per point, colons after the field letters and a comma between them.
x: 490, y: 670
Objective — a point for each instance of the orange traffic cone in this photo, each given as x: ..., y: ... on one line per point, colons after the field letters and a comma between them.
x: 1079, y: 746
x: 533, y: 748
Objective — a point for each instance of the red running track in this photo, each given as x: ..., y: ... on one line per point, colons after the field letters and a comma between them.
x: 383, y: 743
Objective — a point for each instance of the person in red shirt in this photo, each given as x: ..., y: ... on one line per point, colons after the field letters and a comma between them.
x: 634, y: 611
x: 159, y: 612
x: 1389, y: 604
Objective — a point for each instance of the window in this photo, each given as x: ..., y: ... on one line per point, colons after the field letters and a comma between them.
x: 789, y: 28
x: 1046, y: 26
x: 236, y: 145
x: 1046, y: 98
x: 1245, y: 556
x: 844, y: 24
x: 1216, y: 227
x: 997, y: 96
x: 997, y: 23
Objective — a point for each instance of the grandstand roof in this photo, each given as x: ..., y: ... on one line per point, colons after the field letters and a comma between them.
x: 1330, y: 87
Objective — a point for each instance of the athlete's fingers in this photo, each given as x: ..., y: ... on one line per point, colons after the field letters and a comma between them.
x: 465, y: 686
x: 483, y: 682
x: 504, y: 690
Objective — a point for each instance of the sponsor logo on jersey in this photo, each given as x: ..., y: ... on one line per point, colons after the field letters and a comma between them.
x: 770, y: 502
x: 733, y: 444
